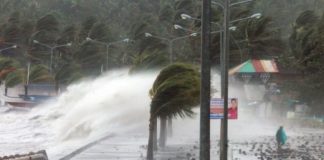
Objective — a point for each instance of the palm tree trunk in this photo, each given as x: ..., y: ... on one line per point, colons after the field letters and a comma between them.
x: 155, y: 148
x: 150, y: 146
x: 163, y: 130
x: 170, y: 131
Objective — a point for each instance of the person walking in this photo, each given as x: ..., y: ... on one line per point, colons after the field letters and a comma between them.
x: 281, y: 137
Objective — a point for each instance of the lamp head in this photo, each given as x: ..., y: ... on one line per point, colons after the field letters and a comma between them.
x: 256, y: 15
x: 69, y: 44
x: 88, y: 39
x: 35, y: 41
x: 148, y: 34
x: 233, y: 28
x: 126, y: 40
x: 193, y: 34
x: 14, y: 46
x: 176, y: 26
x: 185, y: 16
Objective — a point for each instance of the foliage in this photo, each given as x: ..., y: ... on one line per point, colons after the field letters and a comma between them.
x: 306, y: 44
x: 14, y: 78
x: 175, y: 91
x: 69, y: 73
x: 38, y: 73
x: 145, y: 62
x: 7, y: 65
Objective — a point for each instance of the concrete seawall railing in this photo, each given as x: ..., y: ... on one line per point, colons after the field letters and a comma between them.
x: 40, y: 155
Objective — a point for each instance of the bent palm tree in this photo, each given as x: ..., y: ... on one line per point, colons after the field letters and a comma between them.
x: 175, y: 91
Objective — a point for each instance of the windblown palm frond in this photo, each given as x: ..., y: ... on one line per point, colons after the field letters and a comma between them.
x: 39, y: 73
x: 68, y: 73
x: 7, y: 65
x: 263, y: 41
x: 146, y: 61
x: 14, y: 78
x: 175, y: 91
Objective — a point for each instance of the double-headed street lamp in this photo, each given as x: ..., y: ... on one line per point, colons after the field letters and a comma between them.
x: 176, y: 26
x: 232, y: 28
x: 170, y: 42
x: 108, y: 44
x: 11, y: 47
x: 52, y: 48
x: 256, y: 15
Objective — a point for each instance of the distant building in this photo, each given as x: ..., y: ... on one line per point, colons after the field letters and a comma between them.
x: 26, y: 95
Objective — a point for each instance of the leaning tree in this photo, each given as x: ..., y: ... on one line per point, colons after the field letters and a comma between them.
x: 174, y: 93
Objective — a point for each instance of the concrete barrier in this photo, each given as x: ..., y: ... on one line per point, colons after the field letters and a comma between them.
x: 40, y: 155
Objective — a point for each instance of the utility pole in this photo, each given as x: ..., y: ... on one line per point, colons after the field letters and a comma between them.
x: 224, y: 82
x: 205, y: 82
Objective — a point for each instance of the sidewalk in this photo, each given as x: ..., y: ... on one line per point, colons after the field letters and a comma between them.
x: 134, y: 148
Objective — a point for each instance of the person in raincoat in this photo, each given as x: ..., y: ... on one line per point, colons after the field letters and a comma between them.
x: 281, y: 137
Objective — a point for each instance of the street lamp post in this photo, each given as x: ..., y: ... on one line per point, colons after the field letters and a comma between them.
x: 107, y: 46
x: 52, y: 48
x: 224, y: 80
x: 224, y: 67
x: 170, y: 42
x: 204, y: 138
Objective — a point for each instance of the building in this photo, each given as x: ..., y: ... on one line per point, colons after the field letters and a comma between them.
x: 26, y: 95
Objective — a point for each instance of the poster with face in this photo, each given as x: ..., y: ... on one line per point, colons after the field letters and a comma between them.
x: 217, y: 108
x: 232, y: 108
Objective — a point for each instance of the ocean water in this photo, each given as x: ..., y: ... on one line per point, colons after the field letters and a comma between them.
x: 113, y: 103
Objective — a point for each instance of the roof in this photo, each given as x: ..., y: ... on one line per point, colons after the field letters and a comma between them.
x: 256, y: 66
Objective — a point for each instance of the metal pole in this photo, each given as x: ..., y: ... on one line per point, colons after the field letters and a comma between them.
x: 170, y: 51
x: 107, y: 49
x: 52, y: 50
x: 221, y: 41
x: 221, y: 141
x: 101, y: 69
x: 205, y: 82
x: 28, y: 73
x: 224, y: 63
